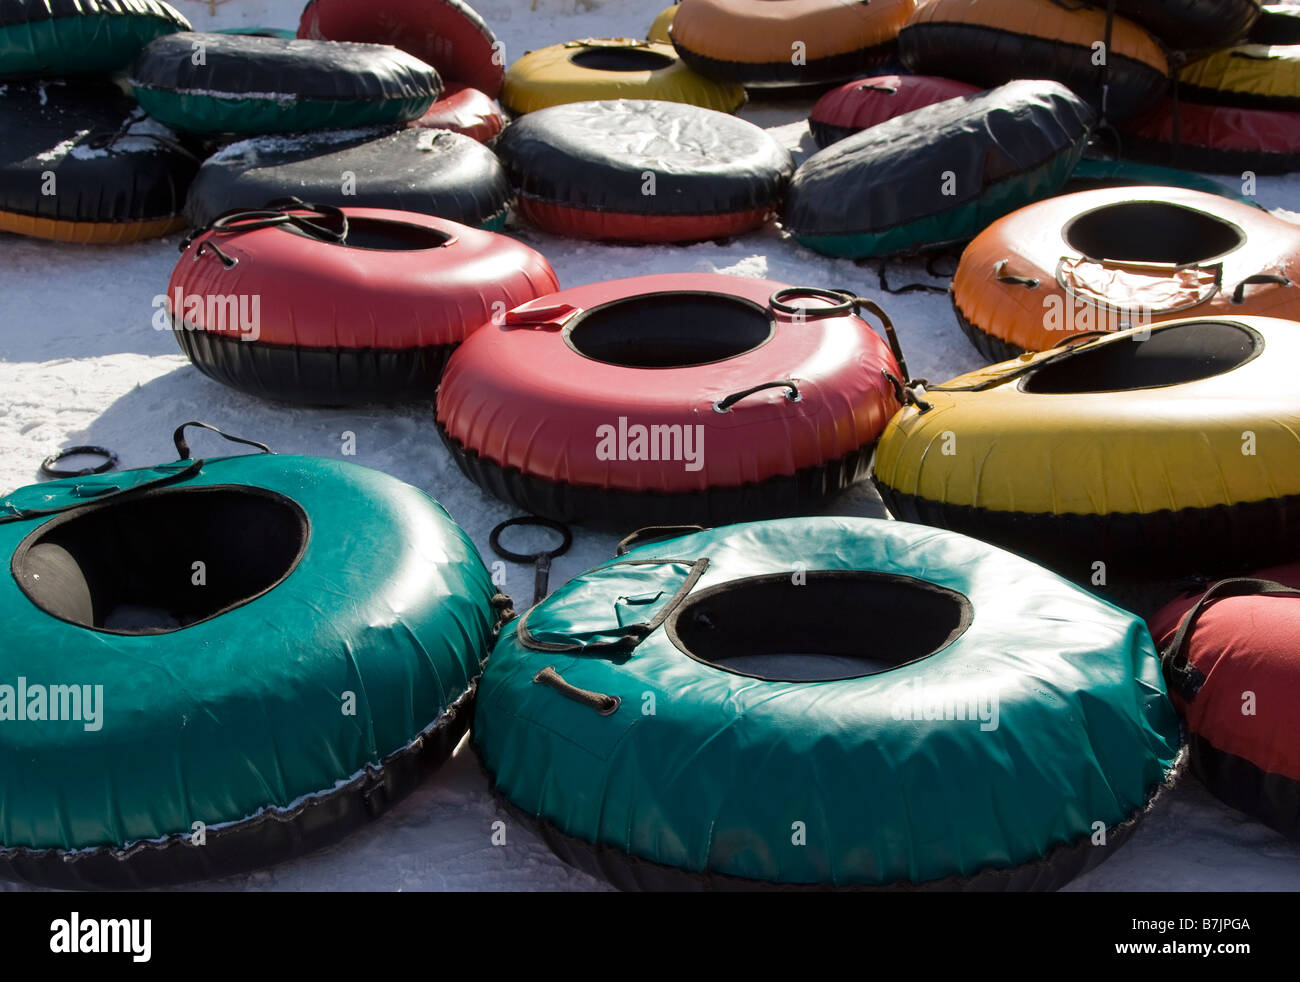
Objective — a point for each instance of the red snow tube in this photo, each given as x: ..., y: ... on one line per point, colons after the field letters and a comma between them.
x: 466, y: 111
x: 865, y: 102
x: 1218, y: 139
x: 1232, y: 659
x: 331, y: 306
x: 661, y: 399
x: 447, y: 34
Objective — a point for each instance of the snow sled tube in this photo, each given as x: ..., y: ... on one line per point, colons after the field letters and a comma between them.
x: 1278, y: 24
x: 1170, y: 449
x: 433, y: 172
x: 669, y: 398
x: 352, y: 306
x: 261, y: 32
x: 1253, y: 76
x: 325, y: 584
x: 1002, y: 149
x: 1092, y: 173
x: 661, y: 28
x: 988, y: 42
x: 1099, y: 260
x: 706, y: 796
x: 48, y: 38
x: 1191, y: 25
x: 581, y: 171
x: 251, y: 84
x: 754, y: 42
x: 1218, y: 139
x: 1241, y: 636
x: 116, y: 175
x: 862, y: 104
x: 466, y: 111
x: 614, y: 68
x: 447, y: 34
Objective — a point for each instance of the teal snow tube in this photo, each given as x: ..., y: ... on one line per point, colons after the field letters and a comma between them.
x: 319, y: 661
x: 958, y: 718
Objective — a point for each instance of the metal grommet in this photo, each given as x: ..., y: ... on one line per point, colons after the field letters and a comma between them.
x: 615, y: 702
x: 110, y: 461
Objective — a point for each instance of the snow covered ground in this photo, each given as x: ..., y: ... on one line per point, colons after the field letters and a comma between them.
x: 81, y: 363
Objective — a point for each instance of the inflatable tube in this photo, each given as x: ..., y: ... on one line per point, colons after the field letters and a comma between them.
x: 989, y: 42
x: 251, y: 84
x: 613, y: 68
x: 340, y: 307
x: 662, y: 26
x: 468, y: 112
x: 48, y: 38
x: 433, y: 172
x: 1098, y: 260
x: 1218, y: 139
x: 261, y: 32
x: 1090, y: 174
x: 116, y: 175
x: 668, y: 398
x: 988, y: 154
x: 1241, y: 636
x: 866, y: 102
x: 323, y: 579
x: 1251, y: 76
x: 1191, y: 25
x: 581, y: 171
x: 447, y: 34
x: 675, y: 800
x: 781, y: 43
x: 1277, y: 24
x: 1168, y: 449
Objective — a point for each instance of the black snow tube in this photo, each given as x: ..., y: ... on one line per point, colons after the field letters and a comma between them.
x: 433, y: 172
x: 982, y: 156
x: 80, y: 162
x: 48, y: 38
x: 643, y: 171
x: 249, y: 84
x: 1191, y: 25
x: 1277, y: 24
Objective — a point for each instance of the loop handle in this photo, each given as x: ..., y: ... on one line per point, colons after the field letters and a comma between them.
x: 653, y: 533
x: 603, y: 704
x: 49, y: 470
x: 1276, y: 279
x: 183, y: 448
x: 792, y: 394
x: 1028, y: 282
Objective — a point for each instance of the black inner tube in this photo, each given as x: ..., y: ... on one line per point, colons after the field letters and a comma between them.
x: 621, y: 59
x: 1152, y: 232
x: 669, y: 330
x: 819, y: 625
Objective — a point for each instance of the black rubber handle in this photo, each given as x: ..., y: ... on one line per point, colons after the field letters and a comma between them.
x: 183, y: 448
x: 541, y: 560
x: 653, y: 533
x: 792, y: 394
x: 1239, y: 293
x: 603, y: 704
x: 49, y: 470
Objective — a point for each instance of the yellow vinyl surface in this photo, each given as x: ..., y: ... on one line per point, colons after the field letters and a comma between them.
x: 1249, y: 69
x: 661, y: 26
x: 88, y: 233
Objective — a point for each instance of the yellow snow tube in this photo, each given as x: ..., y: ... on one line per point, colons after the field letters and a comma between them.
x: 89, y: 233
x: 1178, y: 442
x: 1258, y: 76
x: 662, y: 25
x: 612, y: 68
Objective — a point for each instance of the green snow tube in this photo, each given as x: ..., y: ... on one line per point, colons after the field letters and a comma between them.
x: 955, y: 716
x: 1092, y: 173
x: 237, y: 660
x: 47, y: 38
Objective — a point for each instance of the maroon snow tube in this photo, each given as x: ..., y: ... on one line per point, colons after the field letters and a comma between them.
x: 863, y: 103
x: 674, y: 398
x: 1218, y: 139
x: 466, y: 111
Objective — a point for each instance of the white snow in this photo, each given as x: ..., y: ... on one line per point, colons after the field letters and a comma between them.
x: 80, y: 363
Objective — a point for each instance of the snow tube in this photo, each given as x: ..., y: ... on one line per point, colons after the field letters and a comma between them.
x: 466, y: 111
x: 47, y: 38
x: 325, y: 306
x: 261, y: 32
x: 1094, y: 173
x: 1252, y: 76
x: 80, y: 162
x: 830, y: 767
x: 660, y: 29
x: 324, y: 585
x: 1277, y: 24
x: 988, y: 42
x: 447, y: 34
x: 862, y: 104
x: 583, y: 170
x: 984, y: 155
x: 669, y: 398
x: 1169, y: 448
x: 1097, y: 260
x: 612, y: 68
x: 250, y: 84
x: 1232, y: 659
x: 1191, y: 25
x: 1218, y: 139
x: 433, y: 172
x: 780, y: 43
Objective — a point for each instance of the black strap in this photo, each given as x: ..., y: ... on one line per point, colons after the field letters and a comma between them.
x: 603, y: 704
x: 183, y: 448
x: 325, y: 222
x: 540, y: 561
x: 1239, y: 293
x: 49, y: 470
x: 1184, y: 677
x: 792, y: 394
x: 907, y: 287
x: 654, y: 533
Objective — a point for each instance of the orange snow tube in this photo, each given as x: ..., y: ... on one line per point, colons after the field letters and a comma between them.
x: 780, y: 43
